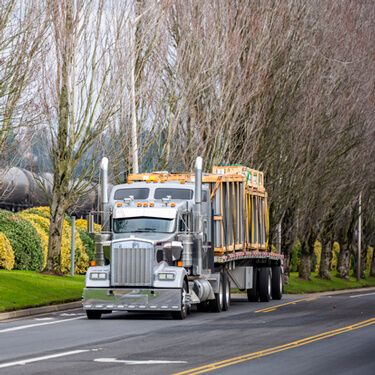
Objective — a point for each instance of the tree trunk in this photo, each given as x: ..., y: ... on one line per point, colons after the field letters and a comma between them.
x: 325, y: 261
x: 55, y: 235
x: 372, y: 269
x: 305, y: 264
x: 363, y: 261
x: 343, y: 266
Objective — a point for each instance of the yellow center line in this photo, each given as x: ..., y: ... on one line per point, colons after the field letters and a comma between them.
x: 273, y: 308
x: 276, y: 349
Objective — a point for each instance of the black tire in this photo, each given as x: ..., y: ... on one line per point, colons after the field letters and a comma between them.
x: 93, y: 314
x: 264, y: 284
x: 226, y: 299
x: 181, y: 315
x: 216, y: 305
x: 253, y: 293
x: 277, y: 283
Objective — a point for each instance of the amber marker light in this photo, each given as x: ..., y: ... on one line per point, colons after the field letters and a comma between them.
x: 93, y: 263
x: 152, y: 204
x: 145, y: 205
x: 180, y: 263
x: 118, y: 204
x: 139, y: 204
x: 173, y: 204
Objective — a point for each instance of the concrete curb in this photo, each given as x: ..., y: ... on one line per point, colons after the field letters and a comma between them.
x: 40, y: 310
x: 343, y: 291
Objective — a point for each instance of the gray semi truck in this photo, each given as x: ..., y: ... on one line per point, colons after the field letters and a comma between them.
x: 170, y: 241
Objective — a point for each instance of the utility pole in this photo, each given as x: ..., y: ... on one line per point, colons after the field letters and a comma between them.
x: 279, y: 237
x: 72, y: 246
x: 133, y: 47
x: 359, y: 236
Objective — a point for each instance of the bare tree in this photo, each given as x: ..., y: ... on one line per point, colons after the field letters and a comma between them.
x: 80, y: 98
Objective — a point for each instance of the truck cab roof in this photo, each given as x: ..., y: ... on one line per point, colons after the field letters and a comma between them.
x: 155, y: 192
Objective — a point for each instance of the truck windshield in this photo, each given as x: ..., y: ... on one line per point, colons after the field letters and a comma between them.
x: 137, y: 193
x: 143, y: 224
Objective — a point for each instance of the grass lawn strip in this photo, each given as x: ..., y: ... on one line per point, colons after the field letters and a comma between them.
x: 24, y: 289
x: 298, y: 286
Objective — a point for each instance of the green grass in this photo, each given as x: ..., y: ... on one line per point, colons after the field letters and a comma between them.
x: 23, y: 289
x: 298, y: 286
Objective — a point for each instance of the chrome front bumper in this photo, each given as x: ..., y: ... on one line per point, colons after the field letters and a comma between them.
x: 131, y: 299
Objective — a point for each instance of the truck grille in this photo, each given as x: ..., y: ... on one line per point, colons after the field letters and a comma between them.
x: 131, y: 264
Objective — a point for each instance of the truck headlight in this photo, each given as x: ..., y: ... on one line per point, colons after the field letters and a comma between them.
x: 166, y: 276
x: 98, y: 276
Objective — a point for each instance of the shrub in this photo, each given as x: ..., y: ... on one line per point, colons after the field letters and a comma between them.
x: 295, y: 257
x: 39, y: 216
x: 24, y: 240
x: 316, y: 256
x: 335, y: 256
x: 82, y: 225
x: 6, y: 253
x: 88, y: 242
x: 40, y: 224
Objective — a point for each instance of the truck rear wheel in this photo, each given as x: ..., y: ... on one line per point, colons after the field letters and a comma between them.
x: 93, y: 314
x: 216, y: 305
x: 226, y: 299
x: 277, y: 283
x: 253, y: 293
x: 181, y: 315
x: 264, y: 284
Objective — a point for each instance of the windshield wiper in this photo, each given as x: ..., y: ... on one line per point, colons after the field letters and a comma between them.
x: 144, y: 230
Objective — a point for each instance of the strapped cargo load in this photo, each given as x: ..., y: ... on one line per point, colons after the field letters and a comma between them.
x: 239, y: 205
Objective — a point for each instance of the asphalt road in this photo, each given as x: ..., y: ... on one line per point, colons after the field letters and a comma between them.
x: 332, y: 334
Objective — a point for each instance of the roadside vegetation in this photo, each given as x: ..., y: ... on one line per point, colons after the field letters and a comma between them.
x: 25, y: 289
x: 298, y: 286
x: 24, y: 241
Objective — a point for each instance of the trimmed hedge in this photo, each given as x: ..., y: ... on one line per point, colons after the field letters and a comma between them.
x: 24, y: 240
x: 39, y: 217
x: 6, y: 253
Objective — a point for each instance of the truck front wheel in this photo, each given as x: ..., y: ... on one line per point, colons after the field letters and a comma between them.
x: 93, y: 314
x: 181, y: 315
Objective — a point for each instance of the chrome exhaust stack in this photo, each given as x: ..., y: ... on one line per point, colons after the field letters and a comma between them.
x: 104, y: 194
x: 198, y: 213
x: 104, y: 212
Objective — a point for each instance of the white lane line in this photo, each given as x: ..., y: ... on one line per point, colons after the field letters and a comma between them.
x: 37, y: 359
x: 38, y: 324
x: 129, y: 362
x: 362, y: 295
x: 44, y: 318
